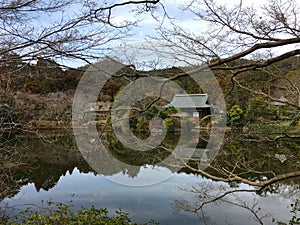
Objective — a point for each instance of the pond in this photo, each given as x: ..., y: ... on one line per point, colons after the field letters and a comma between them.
x: 52, y: 168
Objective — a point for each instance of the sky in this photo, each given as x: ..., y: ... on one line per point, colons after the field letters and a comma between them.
x: 185, y: 18
x: 133, y: 48
x: 138, y: 48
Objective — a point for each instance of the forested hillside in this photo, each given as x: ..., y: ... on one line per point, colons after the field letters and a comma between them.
x: 32, y: 94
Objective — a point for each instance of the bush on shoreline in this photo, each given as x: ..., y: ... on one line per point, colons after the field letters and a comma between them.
x: 60, y: 213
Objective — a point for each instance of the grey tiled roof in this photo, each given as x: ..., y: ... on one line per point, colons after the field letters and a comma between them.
x: 189, y: 101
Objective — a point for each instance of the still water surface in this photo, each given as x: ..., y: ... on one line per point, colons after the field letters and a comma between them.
x: 56, y: 170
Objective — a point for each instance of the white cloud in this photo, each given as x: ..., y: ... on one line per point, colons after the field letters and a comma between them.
x: 120, y: 20
x: 152, y: 54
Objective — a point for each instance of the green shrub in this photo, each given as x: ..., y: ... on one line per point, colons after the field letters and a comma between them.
x: 169, y: 124
x: 236, y: 116
x: 171, y: 110
x: 258, y: 109
x: 59, y: 213
x: 142, y: 123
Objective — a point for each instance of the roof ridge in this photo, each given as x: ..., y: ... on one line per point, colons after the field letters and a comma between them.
x: 190, y: 94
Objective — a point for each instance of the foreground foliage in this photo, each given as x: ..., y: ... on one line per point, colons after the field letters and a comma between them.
x: 60, y: 213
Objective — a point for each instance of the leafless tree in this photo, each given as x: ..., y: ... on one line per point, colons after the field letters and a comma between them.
x: 66, y: 30
x: 223, y: 34
x: 61, y: 31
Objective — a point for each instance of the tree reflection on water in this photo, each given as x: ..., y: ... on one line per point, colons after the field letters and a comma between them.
x: 44, y: 161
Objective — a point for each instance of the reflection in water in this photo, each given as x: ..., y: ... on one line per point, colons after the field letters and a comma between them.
x: 55, y: 169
